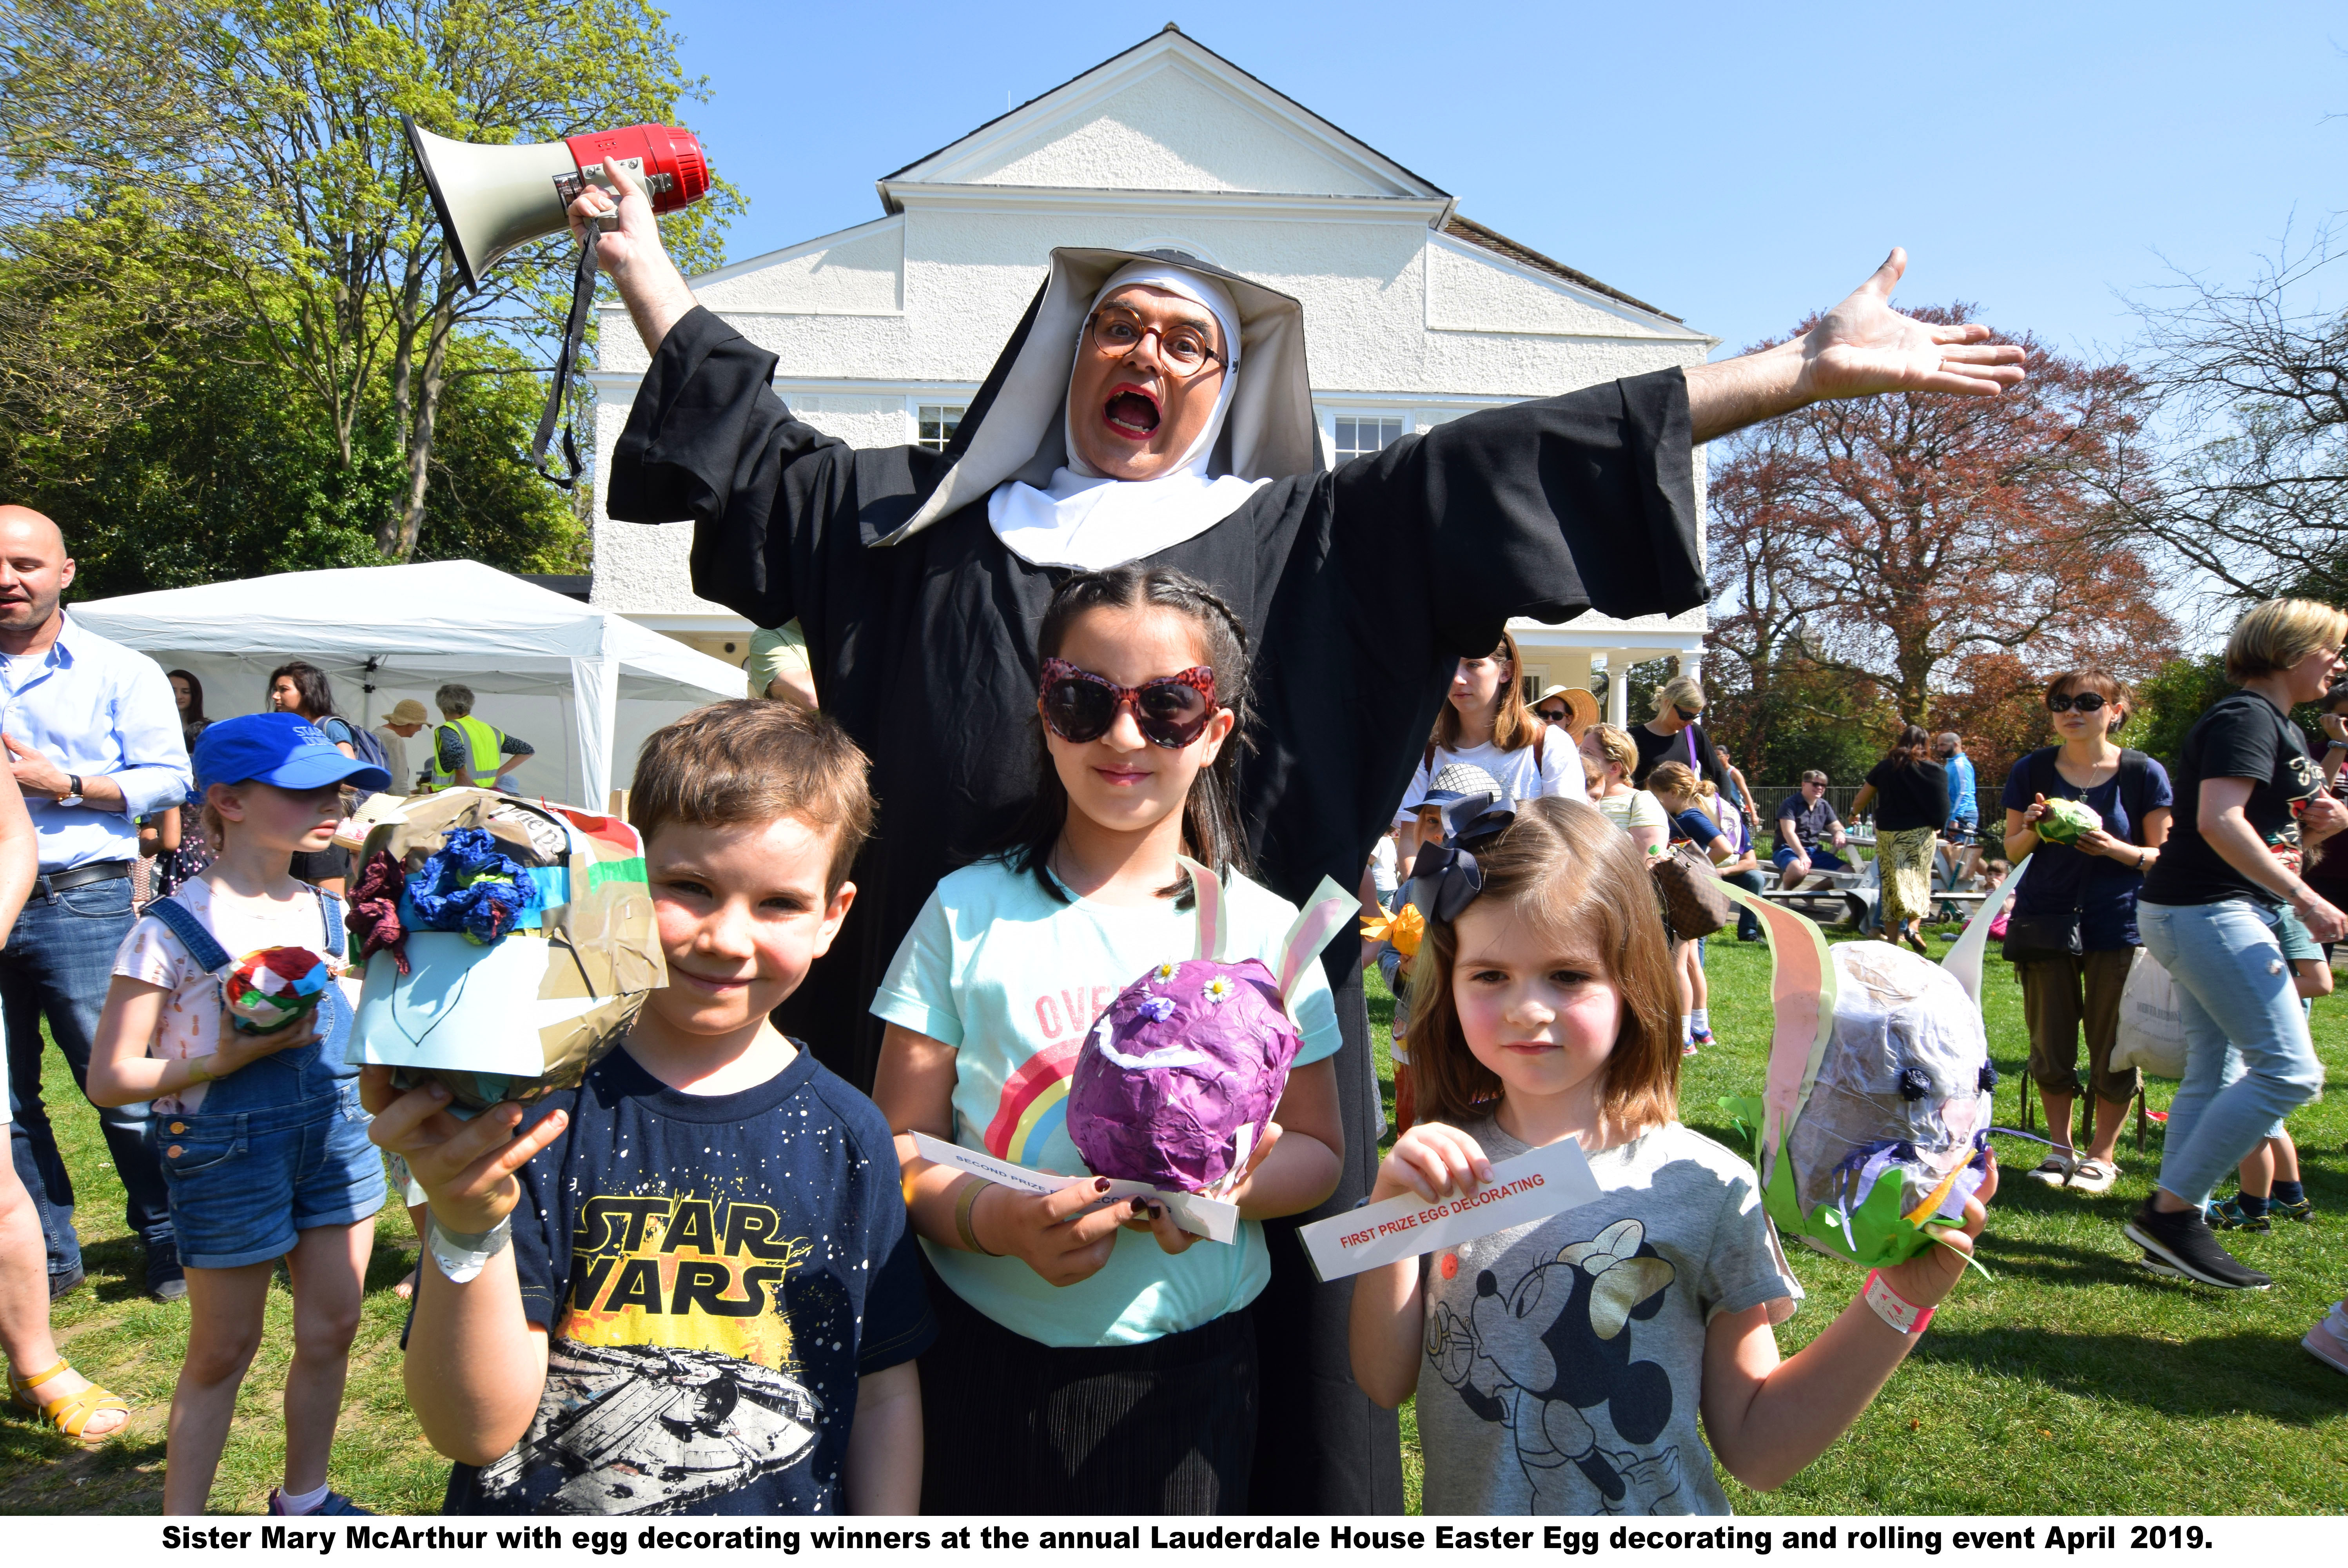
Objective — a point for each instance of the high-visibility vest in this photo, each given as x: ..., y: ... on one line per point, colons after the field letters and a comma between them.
x: 482, y: 740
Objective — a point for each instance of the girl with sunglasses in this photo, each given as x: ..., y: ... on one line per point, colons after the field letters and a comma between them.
x: 1090, y: 1360
x: 2084, y: 894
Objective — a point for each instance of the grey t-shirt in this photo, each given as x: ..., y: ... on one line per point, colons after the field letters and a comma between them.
x: 1564, y: 1357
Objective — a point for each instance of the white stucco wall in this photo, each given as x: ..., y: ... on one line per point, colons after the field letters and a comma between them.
x: 1171, y: 130
x: 863, y: 274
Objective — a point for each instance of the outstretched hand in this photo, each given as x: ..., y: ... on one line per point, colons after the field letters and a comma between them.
x: 1863, y: 346
x: 1860, y: 347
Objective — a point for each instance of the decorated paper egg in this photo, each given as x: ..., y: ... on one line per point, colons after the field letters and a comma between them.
x: 273, y: 987
x: 1178, y: 1079
x: 1182, y: 1060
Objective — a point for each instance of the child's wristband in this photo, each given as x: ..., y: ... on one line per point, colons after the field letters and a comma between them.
x: 962, y: 1225
x: 200, y: 1071
x: 461, y: 1257
x: 1904, y: 1315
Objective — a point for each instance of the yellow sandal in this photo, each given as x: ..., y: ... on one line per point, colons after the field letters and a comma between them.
x: 69, y: 1413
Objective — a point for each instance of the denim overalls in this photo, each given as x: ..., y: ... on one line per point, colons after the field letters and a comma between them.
x: 280, y: 1146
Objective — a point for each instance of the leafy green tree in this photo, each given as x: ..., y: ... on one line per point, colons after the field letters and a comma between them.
x: 270, y: 130
x: 2169, y: 702
x: 165, y: 438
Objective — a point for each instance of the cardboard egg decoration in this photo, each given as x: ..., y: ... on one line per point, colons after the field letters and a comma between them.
x: 272, y: 988
x: 1179, y: 1077
x: 507, y: 943
x: 1874, y: 1124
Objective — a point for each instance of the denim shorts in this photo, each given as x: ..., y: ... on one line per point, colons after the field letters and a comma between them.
x: 243, y: 1183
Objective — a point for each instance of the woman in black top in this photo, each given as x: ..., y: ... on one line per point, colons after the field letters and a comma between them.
x: 1910, y: 794
x: 2251, y: 804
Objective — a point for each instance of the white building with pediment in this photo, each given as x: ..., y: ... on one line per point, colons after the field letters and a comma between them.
x: 1413, y: 315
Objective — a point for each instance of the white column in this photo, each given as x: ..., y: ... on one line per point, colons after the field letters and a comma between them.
x: 1618, y: 689
x: 1691, y: 664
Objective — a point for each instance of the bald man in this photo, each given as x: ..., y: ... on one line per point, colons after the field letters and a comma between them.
x: 92, y: 735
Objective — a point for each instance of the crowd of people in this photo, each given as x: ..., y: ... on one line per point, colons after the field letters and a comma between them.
x: 1130, y: 702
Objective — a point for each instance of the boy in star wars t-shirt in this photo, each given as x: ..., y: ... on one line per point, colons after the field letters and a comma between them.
x: 686, y: 1285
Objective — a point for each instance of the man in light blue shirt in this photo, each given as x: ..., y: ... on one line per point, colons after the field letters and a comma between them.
x: 1964, y: 804
x: 93, y: 736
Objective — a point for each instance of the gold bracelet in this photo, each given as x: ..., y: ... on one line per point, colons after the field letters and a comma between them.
x: 963, y: 1206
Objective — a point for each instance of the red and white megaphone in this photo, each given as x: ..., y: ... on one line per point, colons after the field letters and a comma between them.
x: 495, y: 198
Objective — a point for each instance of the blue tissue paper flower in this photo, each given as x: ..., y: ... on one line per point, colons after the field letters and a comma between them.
x: 468, y: 885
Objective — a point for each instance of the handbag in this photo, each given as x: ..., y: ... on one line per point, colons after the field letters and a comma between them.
x: 2032, y: 937
x: 1689, y: 888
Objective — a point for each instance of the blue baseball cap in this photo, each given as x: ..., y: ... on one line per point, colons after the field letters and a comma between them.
x: 280, y: 749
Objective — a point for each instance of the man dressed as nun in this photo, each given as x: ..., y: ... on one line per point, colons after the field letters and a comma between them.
x: 1156, y: 408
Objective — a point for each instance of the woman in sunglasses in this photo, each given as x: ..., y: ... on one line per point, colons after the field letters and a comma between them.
x: 1675, y: 734
x: 1061, y: 1324
x: 2072, y: 934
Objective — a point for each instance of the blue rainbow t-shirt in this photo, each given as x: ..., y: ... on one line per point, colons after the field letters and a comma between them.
x: 1013, y: 979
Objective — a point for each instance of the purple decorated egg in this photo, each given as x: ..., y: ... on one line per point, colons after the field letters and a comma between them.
x: 1184, y: 1057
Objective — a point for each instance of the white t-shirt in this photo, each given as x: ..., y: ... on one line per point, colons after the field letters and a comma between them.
x: 189, y: 1024
x: 1637, y: 808
x: 1520, y: 778
x: 1382, y: 865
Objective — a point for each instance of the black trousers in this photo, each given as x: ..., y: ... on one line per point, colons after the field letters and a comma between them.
x: 1321, y: 1447
x: 1013, y: 1427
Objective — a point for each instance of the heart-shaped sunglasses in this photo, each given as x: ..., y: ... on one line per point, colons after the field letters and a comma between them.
x: 1171, y: 711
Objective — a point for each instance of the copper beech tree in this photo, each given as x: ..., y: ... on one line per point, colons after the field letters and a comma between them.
x: 1903, y: 545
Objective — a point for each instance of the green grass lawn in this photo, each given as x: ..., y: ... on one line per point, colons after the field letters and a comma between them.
x: 2070, y: 1383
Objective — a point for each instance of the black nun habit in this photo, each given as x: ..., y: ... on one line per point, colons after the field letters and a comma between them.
x: 1361, y: 587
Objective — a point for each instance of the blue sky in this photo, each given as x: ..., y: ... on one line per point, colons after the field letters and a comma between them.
x: 1736, y: 165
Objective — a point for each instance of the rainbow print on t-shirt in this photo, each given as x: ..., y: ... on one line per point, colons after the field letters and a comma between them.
x: 1034, y: 1104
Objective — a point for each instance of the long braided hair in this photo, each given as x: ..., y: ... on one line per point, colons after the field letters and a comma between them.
x: 1211, y: 834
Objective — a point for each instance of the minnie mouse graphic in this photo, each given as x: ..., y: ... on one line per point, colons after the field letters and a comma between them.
x: 1549, y: 1357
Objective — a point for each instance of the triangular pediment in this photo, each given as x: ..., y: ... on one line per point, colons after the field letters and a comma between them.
x: 1167, y: 115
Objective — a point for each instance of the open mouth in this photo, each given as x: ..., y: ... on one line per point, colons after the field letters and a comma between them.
x: 1132, y: 413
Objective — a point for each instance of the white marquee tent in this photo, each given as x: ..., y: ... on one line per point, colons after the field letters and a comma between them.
x: 583, y: 686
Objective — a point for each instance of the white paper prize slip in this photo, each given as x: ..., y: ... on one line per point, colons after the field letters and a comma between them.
x: 1194, y: 1212
x: 1532, y: 1186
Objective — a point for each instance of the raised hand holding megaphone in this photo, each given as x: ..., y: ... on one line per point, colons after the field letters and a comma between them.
x: 632, y: 255
x: 492, y: 198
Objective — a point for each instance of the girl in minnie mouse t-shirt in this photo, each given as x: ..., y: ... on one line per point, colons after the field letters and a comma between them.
x: 1560, y: 1365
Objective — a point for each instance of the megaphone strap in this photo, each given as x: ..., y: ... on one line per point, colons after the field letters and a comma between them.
x: 574, y: 332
